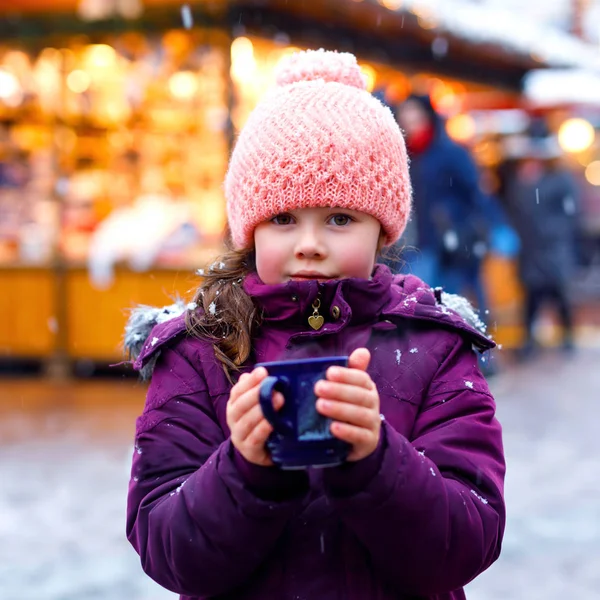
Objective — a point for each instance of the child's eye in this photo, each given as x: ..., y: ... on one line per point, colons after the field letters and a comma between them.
x: 282, y: 219
x: 340, y: 220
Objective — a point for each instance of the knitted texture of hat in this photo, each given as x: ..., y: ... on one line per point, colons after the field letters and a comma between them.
x: 318, y: 139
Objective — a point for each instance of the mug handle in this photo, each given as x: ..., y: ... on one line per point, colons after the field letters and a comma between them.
x: 269, y: 385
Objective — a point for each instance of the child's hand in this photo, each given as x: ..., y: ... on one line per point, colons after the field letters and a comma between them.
x: 249, y: 428
x: 350, y: 398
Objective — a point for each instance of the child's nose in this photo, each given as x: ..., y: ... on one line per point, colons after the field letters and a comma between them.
x: 310, y: 245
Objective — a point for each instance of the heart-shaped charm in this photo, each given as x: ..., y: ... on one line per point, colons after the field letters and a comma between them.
x: 316, y: 321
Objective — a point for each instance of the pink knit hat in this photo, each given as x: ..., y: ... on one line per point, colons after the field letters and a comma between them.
x: 318, y: 139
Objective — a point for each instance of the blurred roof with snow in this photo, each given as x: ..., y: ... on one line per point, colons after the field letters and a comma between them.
x: 517, y: 30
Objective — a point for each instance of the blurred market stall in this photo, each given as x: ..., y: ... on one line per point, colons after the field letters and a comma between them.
x: 117, y: 118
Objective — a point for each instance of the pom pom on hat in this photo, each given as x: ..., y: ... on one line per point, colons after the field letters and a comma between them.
x: 319, y: 65
x: 318, y: 139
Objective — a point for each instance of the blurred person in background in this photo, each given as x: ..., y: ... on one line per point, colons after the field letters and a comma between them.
x: 543, y: 202
x: 450, y: 217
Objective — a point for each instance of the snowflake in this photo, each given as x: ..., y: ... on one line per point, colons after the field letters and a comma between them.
x: 480, y: 498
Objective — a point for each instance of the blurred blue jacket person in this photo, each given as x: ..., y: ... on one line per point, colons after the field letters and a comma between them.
x: 451, y: 217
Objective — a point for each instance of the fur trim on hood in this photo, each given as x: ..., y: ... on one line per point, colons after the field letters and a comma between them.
x: 142, y: 320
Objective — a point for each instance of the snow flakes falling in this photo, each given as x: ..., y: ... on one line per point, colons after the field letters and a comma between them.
x: 178, y: 490
x: 480, y: 498
x: 186, y: 16
x: 212, y: 309
x: 414, y: 350
x: 432, y: 471
x: 398, y: 356
x: 154, y: 341
x: 469, y: 384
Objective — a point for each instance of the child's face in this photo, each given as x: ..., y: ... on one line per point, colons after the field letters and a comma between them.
x: 316, y: 243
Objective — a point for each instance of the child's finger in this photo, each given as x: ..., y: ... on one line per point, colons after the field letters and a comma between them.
x: 249, y: 402
x: 332, y: 390
x: 352, y: 414
x: 246, y: 382
x: 242, y: 404
x: 356, y: 436
x: 277, y: 400
x: 248, y: 422
x: 359, y: 359
x: 258, y: 436
x: 350, y: 377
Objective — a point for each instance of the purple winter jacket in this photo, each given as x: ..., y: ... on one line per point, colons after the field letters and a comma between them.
x: 419, y: 518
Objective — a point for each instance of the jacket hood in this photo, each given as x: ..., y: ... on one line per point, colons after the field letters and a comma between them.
x: 384, y: 297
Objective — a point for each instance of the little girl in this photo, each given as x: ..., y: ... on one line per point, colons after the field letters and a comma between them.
x: 317, y: 185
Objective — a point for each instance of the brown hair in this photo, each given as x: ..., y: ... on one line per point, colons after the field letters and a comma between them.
x: 229, y: 317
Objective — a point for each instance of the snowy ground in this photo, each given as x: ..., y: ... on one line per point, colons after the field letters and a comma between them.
x: 551, y: 550
x: 64, y: 477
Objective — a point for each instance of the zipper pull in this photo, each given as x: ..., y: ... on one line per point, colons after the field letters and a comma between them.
x: 316, y: 320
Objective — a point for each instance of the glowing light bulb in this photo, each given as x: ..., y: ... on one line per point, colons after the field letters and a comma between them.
x: 592, y: 173
x: 183, y: 85
x: 78, y: 81
x: 576, y: 135
x: 243, y: 63
x: 461, y: 127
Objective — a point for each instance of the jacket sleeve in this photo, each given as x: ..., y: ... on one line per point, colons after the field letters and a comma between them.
x: 201, y: 518
x: 430, y: 510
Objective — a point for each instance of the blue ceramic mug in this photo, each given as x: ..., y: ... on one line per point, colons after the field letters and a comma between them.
x: 301, y: 436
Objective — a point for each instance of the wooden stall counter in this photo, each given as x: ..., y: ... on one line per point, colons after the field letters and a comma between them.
x: 28, y: 311
x: 47, y: 314
x: 95, y: 318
